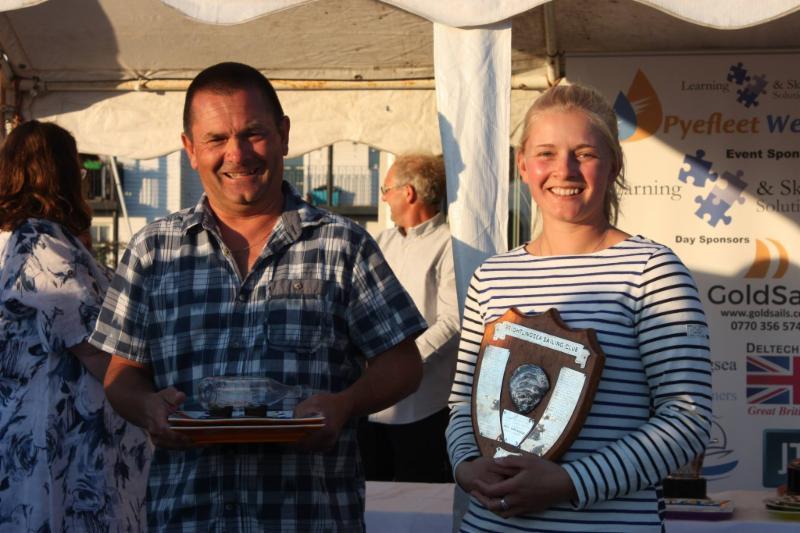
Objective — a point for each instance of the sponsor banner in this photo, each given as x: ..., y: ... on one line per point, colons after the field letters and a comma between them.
x: 780, y: 447
x: 712, y: 155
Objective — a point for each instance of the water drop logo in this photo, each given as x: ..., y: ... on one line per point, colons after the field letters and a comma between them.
x: 638, y: 112
x: 771, y: 256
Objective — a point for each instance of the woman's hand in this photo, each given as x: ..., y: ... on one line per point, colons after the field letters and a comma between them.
x: 534, y: 485
x: 483, y: 469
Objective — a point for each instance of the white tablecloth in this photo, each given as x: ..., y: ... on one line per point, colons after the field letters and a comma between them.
x: 427, y: 508
x: 749, y: 516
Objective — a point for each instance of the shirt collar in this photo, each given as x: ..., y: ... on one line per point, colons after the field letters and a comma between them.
x: 297, y: 214
x: 426, y: 227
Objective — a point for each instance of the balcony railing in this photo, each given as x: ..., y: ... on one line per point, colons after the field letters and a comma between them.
x: 353, y: 186
x: 98, y: 185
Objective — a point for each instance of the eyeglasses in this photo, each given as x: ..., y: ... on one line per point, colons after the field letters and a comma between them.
x: 384, y: 190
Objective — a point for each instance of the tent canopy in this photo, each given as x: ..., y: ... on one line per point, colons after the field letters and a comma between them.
x: 113, y: 71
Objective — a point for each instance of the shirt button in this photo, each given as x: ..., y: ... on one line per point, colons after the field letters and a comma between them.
x: 236, y: 344
x: 297, y: 286
x: 242, y: 297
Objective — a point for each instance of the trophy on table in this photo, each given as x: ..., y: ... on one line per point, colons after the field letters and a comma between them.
x: 686, y: 482
x: 534, y: 384
x: 685, y: 496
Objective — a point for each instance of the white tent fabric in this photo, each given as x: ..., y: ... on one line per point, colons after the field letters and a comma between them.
x: 725, y: 14
x: 474, y: 125
x: 144, y: 125
x: 231, y: 11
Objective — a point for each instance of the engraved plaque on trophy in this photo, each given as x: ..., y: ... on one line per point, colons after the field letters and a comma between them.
x: 534, y: 384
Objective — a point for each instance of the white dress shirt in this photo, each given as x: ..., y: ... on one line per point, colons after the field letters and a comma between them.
x: 422, y: 260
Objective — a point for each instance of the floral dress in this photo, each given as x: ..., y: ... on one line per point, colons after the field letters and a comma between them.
x: 68, y: 461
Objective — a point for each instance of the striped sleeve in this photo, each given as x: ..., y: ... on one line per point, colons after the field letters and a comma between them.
x: 461, y: 442
x: 672, y: 335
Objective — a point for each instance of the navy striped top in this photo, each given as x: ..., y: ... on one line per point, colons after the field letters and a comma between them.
x: 652, y: 410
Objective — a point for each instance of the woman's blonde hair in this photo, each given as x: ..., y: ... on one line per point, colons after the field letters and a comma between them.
x: 598, y: 111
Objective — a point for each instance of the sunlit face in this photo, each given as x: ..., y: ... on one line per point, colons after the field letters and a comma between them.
x: 395, y: 197
x: 568, y: 167
x: 238, y: 149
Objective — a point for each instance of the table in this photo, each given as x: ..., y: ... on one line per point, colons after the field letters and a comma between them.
x: 409, y: 507
x: 427, y: 508
x: 750, y: 516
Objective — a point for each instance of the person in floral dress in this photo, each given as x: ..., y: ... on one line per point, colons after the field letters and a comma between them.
x: 68, y: 461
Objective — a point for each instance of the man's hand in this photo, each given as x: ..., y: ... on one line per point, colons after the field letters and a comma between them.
x: 336, y: 408
x: 129, y: 388
x: 535, y: 485
x: 157, y: 408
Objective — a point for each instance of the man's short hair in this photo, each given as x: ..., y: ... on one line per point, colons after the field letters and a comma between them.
x: 425, y: 173
x: 228, y: 77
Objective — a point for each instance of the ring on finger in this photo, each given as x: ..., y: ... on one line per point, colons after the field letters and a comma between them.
x: 504, y: 504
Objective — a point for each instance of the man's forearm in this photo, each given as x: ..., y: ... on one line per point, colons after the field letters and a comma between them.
x: 388, y: 378
x: 127, y: 387
x: 95, y: 361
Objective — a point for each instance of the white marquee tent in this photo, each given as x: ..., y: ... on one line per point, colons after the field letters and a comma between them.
x: 113, y: 71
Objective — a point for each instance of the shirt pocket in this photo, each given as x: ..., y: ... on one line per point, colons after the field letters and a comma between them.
x: 299, y: 315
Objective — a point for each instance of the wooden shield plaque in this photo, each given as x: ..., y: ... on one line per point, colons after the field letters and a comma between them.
x: 533, y: 385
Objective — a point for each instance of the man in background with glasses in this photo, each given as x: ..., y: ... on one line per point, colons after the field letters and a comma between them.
x: 406, y: 441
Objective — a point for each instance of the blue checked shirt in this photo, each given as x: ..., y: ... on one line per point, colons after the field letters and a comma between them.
x: 317, y: 302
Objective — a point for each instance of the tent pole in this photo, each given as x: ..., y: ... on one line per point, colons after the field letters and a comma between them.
x: 473, y: 99
x: 118, y: 183
x: 551, y: 44
x: 7, y: 114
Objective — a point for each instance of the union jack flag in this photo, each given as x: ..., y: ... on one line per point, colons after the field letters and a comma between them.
x: 773, y: 379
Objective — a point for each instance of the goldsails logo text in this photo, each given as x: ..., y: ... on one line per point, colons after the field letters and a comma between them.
x: 771, y: 262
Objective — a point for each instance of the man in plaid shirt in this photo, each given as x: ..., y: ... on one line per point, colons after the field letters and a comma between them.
x: 253, y: 281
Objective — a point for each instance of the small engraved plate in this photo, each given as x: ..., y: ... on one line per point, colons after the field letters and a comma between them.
x: 500, y: 452
x: 515, y: 427
x: 490, y: 385
x: 558, y: 412
x: 578, y: 351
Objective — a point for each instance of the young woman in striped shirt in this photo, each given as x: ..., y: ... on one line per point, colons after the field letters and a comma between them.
x: 652, y: 411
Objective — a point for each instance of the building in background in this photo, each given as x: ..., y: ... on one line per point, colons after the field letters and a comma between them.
x: 346, y: 172
x: 344, y: 177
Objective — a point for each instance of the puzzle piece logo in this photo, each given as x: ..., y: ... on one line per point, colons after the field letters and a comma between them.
x: 696, y: 168
x: 720, y: 199
x: 749, y: 95
x: 639, y: 112
x: 738, y: 74
x: 756, y: 86
x: 727, y: 190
